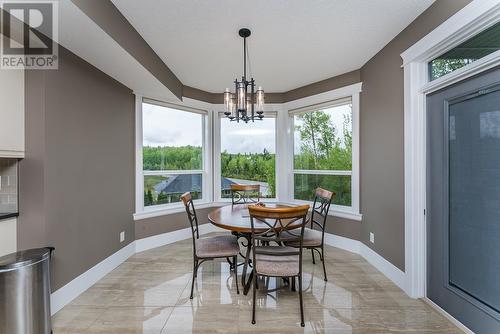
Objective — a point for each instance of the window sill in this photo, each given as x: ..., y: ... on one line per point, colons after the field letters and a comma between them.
x: 346, y: 214
x: 163, y: 211
x: 335, y: 211
x: 5, y: 216
x: 151, y: 213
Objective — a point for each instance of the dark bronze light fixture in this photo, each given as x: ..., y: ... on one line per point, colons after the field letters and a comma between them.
x: 246, y: 104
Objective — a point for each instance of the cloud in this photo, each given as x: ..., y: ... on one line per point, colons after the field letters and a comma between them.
x: 248, y: 138
x: 169, y: 127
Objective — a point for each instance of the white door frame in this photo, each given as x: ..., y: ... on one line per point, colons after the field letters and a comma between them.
x: 472, y: 19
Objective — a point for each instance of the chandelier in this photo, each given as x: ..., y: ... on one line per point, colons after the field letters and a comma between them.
x: 246, y: 104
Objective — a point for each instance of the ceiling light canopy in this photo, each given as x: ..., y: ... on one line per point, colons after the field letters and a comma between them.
x: 246, y: 103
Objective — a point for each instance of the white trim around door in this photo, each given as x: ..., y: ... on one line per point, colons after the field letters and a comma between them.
x: 472, y: 19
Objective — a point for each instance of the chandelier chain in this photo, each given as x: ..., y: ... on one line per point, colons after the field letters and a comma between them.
x: 249, y: 63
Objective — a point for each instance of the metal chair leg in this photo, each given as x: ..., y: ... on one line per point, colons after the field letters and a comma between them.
x: 293, y: 283
x: 254, y: 297
x: 301, y: 302
x: 235, y: 259
x: 312, y: 253
x: 195, y: 270
x: 323, y: 260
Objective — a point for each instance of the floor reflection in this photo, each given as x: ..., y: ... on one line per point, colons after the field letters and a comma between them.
x: 149, y: 293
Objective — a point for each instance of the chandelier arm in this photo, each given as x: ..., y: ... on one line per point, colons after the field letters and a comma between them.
x: 252, y: 101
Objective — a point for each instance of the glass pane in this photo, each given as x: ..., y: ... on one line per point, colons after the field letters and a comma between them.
x: 474, y: 197
x: 306, y: 184
x: 172, y: 139
x: 248, y: 155
x: 323, y: 139
x: 8, y: 186
x: 471, y: 50
x: 164, y: 189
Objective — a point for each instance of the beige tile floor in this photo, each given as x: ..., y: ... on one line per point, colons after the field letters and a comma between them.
x: 149, y: 293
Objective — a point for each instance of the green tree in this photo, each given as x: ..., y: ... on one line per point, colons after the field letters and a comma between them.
x: 317, y: 134
x: 148, y: 198
x: 321, y: 148
x: 172, y: 158
x: 248, y: 166
x: 162, y: 198
x: 442, y: 66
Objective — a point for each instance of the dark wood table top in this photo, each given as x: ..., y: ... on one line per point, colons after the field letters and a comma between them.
x: 237, y: 219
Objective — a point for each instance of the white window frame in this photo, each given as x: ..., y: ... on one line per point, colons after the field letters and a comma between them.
x: 284, y: 152
x: 187, y: 105
x: 218, y: 115
x: 335, y: 97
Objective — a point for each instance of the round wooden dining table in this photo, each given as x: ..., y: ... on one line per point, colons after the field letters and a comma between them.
x: 236, y: 219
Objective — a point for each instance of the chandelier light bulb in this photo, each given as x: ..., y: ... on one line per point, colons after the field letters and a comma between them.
x: 227, y: 102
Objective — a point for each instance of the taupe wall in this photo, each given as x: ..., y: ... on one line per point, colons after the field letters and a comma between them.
x: 382, y: 155
x: 344, y: 227
x: 332, y: 83
x: 157, y: 225
x: 77, y: 188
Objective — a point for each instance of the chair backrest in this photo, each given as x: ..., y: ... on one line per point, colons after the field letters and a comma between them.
x: 242, y: 193
x: 187, y: 199
x: 269, y: 223
x: 322, y: 201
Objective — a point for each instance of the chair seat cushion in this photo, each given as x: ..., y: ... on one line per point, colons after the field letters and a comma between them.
x: 274, y: 265
x: 218, y: 246
x: 312, y: 238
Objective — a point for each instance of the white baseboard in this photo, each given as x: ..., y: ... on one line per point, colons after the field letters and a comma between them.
x: 80, y: 284
x: 350, y: 245
x: 448, y: 316
x: 385, y: 267
x: 396, y: 275
x: 77, y: 286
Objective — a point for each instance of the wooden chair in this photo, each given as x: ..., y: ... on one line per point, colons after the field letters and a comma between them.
x: 270, y: 258
x: 209, y: 248
x: 314, y: 239
x: 242, y: 193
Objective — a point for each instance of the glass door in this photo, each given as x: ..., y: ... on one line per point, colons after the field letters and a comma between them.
x: 463, y: 218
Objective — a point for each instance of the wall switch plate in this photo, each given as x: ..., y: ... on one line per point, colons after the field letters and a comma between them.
x: 372, y: 237
x: 122, y: 236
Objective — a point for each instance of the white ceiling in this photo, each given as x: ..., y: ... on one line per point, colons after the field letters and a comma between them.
x: 293, y: 42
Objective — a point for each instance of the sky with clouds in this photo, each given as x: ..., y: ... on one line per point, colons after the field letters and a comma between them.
x: 248, y: 137
x: 169, y: 127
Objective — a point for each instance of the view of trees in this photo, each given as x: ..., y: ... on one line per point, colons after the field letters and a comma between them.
x: 251, y: 166
x: 172, y: 158
x: 441, y: 66
x: 321, y: 147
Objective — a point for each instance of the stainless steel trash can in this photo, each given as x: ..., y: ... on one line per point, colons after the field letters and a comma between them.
x: 25, y: 292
